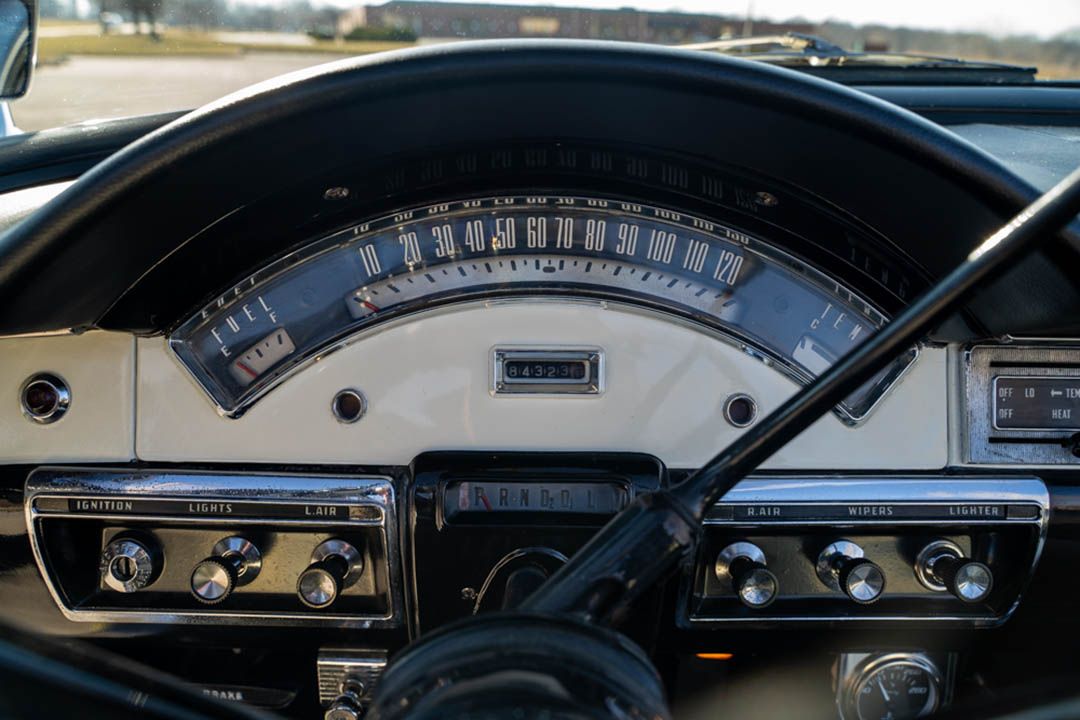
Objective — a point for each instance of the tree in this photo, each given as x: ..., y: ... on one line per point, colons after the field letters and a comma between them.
x: 149, y: 9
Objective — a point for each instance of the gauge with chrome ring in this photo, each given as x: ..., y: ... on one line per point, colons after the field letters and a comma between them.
x: 899, y: 686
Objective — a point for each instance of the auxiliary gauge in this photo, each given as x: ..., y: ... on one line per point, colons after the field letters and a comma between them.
x: 898, y: 686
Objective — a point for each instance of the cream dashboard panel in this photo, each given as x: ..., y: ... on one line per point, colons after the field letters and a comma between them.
x: 99, y: 425
x: 428, y: 383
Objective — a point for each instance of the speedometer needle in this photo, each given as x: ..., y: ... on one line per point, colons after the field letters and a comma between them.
x: 884, y: 694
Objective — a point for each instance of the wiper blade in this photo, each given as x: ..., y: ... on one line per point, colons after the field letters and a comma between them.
x: 809, y: 45
x: 815, y: 54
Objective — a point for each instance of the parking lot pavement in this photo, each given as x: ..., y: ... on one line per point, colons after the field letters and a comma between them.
x: 88, y: 88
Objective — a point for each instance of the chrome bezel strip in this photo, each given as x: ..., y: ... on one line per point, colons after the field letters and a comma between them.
x: 374, y: 491
x: 841, y: 491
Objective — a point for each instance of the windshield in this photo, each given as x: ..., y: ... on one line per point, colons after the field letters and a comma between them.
x: 112, y: 58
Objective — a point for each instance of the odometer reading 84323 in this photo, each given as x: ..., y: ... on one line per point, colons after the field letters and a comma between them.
x: 745, y: 288
x: 545, y: 371
x: 548, y: 371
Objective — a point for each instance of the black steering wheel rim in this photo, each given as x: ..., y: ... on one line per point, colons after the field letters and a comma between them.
x: 99, y: 237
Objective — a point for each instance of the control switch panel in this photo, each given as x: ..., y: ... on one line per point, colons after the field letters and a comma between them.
x: 938, y: 550
x: 216, y: 548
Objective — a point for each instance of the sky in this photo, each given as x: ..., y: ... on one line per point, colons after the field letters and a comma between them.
x: 1043, y: 18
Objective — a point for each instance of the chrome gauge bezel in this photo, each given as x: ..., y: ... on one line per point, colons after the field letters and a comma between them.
x: 243, y: 295
x: 874, y: 665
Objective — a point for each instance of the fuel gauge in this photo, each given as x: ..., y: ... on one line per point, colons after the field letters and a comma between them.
x: 262, y: 356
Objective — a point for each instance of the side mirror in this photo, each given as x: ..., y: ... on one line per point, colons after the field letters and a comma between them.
x: 18, y: 46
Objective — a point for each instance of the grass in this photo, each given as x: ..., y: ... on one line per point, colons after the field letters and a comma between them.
x: 177, y: 43
x: 330, y: 47
x: 61, y: 22
x: 52, y: 50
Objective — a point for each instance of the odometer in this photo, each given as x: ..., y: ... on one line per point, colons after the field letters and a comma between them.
x: 747, y: 290
x: 546, y: 371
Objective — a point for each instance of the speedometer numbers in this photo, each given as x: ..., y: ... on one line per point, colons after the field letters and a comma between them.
x: 746, y: 290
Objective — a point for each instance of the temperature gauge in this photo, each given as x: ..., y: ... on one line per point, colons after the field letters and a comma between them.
x: 894, y: 687
x: 262, y: 356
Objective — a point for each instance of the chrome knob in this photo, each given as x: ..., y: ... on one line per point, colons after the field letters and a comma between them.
x: 214, y: 578
x: 342, y: 710
x: 321, y: 583
x: 348, y: 705
x: 754, y: 583
x: 861, y: 580
x: 742, y: 566
x: 843, y: 566
x: 334, y: 564
x: 235, y: 561
x: 941, y: 566
x: 128, y: 565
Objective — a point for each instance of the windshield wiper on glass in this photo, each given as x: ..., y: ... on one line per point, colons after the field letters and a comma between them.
x: 819, y: 57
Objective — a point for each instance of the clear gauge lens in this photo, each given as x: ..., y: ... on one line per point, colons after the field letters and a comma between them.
x: 263, y: 355
x: 898, y: 691
x: 752, y: 293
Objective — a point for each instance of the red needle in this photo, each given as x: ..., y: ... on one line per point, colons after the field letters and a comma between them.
x: 486, y: 503
x: 246, y: 369
x: 370, y: 307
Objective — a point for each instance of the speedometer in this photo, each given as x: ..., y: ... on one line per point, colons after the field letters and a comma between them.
x: 738, y: 286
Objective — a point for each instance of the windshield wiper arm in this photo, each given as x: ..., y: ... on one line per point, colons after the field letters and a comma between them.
x: 806, y: 44
x: 815, y: 54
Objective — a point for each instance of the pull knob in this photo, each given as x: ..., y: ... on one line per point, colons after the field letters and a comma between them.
x: 742, y: 565
x: 343, y: 709
x: 234, y: 561
x: 843, y: 566
x: 941, y: 566
x: 348, y: 705
x: 213, y: 579
x: 129, y: 564
x: 861, y: 580
x: 334, y: 563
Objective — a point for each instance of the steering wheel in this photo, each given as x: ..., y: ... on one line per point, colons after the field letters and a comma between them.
x: 554, y: 656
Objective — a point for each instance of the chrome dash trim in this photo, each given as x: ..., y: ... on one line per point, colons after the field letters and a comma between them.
x: 946, y: 490
x: 373, y: 492
x: 876, y: 490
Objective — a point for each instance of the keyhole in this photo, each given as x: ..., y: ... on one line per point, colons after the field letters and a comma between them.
x: 123, y: 568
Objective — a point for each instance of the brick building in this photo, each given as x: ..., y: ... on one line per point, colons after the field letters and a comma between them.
x: 468, y: 20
